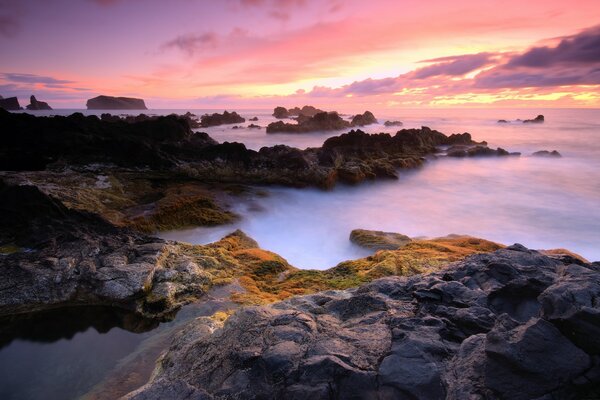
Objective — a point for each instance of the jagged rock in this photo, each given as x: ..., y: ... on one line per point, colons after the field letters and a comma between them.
x: 34, y: 104
x: 366, y: 118
x: 547, y: 153
x: 115, y: 103
x: 392, y: 123
x: 10, y: 104
x: 221, y: 119
x: 477, y: 151
x: 378, y: 240
x: 537, y: 120
x: 510, y: 324
x: 323, y: 121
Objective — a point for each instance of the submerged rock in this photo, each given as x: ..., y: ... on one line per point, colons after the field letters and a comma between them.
x: 510, y: 324
x: 378, y: 240
x: 216, y: 119
x: 537, y: 120
x: 34, y: 104
x: 392, y: 123
x: 502, y: 121
x: 477, y: 151
x: 115, y: 103
x: 10, y: 104
x: 547, y: 153
x: 323, y: 121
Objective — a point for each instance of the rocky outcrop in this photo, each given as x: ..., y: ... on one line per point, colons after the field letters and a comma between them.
x: 477, y: 151
x: 513, y: 324
x: 306, y: 111
x: 366, y: 118
x: 378, y: 240
x: 217, y: 119
x: 547, y: 153
x: 10, y: 104
x: 34, y: 104
x: 115, y: 103
x: 392, y: 123
x: 537, y: 120
x: 323, y: 121
x: 169, y: 144
x: 253, y: 119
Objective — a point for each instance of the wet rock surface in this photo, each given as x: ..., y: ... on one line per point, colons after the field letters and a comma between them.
x: 512, y: 324
x: 378, y: 240
x: 216, y: 119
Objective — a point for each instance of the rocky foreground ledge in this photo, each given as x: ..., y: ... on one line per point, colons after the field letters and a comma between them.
x: 512, y: 324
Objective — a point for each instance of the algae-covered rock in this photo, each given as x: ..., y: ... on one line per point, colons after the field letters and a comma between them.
x: 378, y: 240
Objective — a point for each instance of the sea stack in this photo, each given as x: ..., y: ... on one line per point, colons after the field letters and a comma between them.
x: 115, y: 103
x: 10, y: 103
x: 37, y: 105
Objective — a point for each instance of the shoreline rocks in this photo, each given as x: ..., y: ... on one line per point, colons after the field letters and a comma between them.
x: 34, y: 104
x: 103, y: 102
x: 547, y: 153
x: 378, y: 240
x: 511, y: 324
x: 392, y: 123
x: 216, y: 119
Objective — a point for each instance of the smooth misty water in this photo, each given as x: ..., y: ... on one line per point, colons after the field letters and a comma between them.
x: 539, y: 202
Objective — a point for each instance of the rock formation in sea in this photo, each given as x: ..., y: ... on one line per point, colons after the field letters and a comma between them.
x: 477, y: 151
x: 366, y: 118
x: 323, y: 121
x: 511, y: 324
x: 115, y: 103
x: 34, y: 104
x: 392, y: 123
x: 306, y: 111
x: 216, y: 119
x: 10, y: 104
x: 547, y: 153
x: 537, y: 120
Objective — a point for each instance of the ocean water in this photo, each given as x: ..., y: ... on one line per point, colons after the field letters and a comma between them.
x: 541, y: 203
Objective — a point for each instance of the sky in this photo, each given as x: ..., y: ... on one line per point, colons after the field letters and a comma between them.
x: 346, y: 55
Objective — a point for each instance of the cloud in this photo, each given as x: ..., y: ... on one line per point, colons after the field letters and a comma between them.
x: 574, y: 61
x: 33, y: 79
x: 583, y: 48
x: 194, y: 43
x: 454, y: 66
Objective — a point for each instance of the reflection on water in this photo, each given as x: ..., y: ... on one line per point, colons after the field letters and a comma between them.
x: 99, y: 352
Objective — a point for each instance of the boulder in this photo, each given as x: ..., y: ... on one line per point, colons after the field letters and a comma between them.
x: 34, y: 104
x: 115, y: 103
x: 323, y: 121
x: 366, y: 118
x: 216, y: 119
x: 378, y: 240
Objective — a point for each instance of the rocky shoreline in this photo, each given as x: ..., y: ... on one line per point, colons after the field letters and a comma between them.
x: 453, y: 317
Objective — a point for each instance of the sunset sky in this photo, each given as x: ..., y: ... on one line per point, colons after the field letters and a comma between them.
x: 261, y: 53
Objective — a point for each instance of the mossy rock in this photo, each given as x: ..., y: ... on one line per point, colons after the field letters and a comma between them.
x: 379, y: 240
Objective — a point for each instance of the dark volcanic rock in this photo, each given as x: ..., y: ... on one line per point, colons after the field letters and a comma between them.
x: 34, y: 104
x: 392, y: 123
x: 537, y: 120
x: 70, y: 257
x: 115, y: 103
x: 254, y: 126
x: 547, y: 153
x: 281, y: 112
x: 221, y: 119
x: 10, y: 103
x: 253, y: 119
x: 513, y: 324
x: 323, y: 121
x: 306, y: 111
x: 502, y: 121
x: 366, y: 118
x: 477, y: 151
